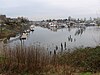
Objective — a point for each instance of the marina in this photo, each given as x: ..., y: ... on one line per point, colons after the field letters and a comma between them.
x: 50, y: 38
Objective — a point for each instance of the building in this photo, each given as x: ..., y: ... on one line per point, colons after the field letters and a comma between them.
x: 2, y: 18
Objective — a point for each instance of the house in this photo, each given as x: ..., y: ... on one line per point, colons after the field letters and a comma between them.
x: 2, y: 17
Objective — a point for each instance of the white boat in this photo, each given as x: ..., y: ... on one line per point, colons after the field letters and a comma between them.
x: 32, y: 27
x: 53, y: 25
x: 28, y: 31
x: 23, y: 36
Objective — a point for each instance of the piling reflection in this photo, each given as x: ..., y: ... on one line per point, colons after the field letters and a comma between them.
x: 79, y: 31
x: 71, y: 39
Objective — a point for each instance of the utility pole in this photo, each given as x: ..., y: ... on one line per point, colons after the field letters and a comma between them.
x: 0, y: 26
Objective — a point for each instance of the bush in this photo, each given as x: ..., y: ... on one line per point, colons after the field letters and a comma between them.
x: 88, y: 59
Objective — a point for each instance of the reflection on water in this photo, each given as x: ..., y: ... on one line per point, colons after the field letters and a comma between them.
x: 79, y: 31
x: 70, y: 39
x: 54, y: 29
x: 62, y: 39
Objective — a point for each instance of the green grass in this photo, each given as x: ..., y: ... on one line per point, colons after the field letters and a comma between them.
x: 88, y: 59
x: 87, y: 73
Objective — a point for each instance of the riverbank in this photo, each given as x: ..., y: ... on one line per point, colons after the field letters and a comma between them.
x: 35, y: 60
x: 7, y: 33
x: 12, y: 26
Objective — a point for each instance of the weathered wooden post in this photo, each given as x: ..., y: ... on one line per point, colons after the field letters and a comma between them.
x: 0, y: 28
x: 65, y: 45
x: 54, y: 57
x: 1, y: 23
x: 56, y: 47
x: 61, y: 47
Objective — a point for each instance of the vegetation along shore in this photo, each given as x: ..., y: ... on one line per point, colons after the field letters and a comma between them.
x: 35, y: 60
x: 12, y: 26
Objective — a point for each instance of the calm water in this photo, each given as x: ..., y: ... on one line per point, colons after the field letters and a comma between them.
x: 74, y: 37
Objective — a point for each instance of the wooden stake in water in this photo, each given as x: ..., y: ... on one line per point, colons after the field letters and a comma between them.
x: 50, y: 53
x: 54, y: 52
x: 65, y: 45
x: 56, y: 47
x: 61, y: 47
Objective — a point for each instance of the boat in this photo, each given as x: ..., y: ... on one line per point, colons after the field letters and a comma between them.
x: 32, y: 27
x: 53, y: 25
x: 28, y: 31
x: 23, y: 36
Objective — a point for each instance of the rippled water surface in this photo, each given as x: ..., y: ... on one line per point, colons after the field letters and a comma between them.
x: 74, y: 37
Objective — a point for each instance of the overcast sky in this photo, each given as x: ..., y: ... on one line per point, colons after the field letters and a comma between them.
x: 45, y: 9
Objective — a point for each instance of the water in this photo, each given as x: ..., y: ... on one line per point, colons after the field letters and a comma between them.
x: 74, y: 37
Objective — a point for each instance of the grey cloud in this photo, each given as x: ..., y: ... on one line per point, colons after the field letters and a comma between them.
x: 42, y: 9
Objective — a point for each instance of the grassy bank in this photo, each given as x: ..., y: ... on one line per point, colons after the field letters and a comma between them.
x: 36, y: 60
x: 7, y: 33
x: 12, y: 26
